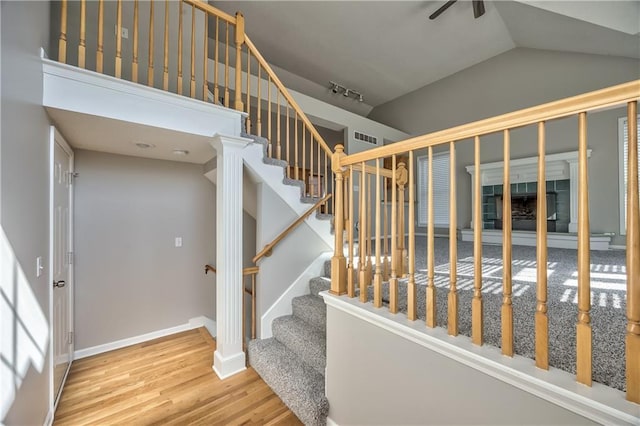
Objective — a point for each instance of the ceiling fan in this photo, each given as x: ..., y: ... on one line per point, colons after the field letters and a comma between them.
x: 478, y: 9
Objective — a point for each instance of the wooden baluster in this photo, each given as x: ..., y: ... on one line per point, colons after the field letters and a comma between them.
x: 452, y: 298
x: 305, y: 175
x: 311, y: 189
x: 278, y: 145
x: 192, y: 86
x: 205, y: 60
x: 248, y: 109
x: 507, y: 305
x: 326, y: 175
x: 253, y: 305
x: 351, y: 281
x: 151, y: 30
x: 412, y: 310
x: 239, y: 42
x: 216, y: 55
x: 393, y: 281
x: 270, y: 135
x: 541, y: 319
x: 583, y: 332
x: 288, y: 145
x: 319, y: 194
x: 134, y: 63
x: 476, y: 303
x: 226, y: 66
x: 385, y: 227
x: 401, y: 258
x: 62, y: 41
x: 377, y: 277
x: 431, y: 288
x: 295, y: 145
x: 259, y: 102
x: 82, y: 47
x: 632, y: 338
x: 179, y: 80
x: 362, y: 235
x: 119, y: 40
x: 165, y: 74
x: 338, y: 262
x: 368, y: 240
x: 100, y: 49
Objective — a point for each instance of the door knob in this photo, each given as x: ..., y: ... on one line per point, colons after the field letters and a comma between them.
x: 59, y: 284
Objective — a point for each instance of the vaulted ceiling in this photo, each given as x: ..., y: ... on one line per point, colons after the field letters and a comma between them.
x: 385, y: 49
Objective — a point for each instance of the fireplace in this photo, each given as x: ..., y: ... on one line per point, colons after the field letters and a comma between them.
x: 524, y: 211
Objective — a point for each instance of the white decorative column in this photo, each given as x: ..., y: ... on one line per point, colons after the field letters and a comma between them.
x: 229, y: 357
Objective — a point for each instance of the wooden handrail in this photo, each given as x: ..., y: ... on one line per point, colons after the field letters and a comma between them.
x: 287, y: 95
x: 269, y: 247
x: 370, y: 170
x: 251, y: 270
x: 205, y: 7
x: 599, y: 99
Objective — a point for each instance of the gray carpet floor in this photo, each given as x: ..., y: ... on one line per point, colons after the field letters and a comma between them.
x: 608, y: 301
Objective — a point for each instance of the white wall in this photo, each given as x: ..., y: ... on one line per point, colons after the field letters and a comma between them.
x: 130, y: 277
x: 518, y: 79
x: 291, y: 257
x: 376, y: 377
x: 24, y: 301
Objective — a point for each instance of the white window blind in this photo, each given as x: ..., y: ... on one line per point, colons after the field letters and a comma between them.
x: 624, y: 168
x: 440, y: 189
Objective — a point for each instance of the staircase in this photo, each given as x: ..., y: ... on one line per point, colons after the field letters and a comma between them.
x: 292, y: 362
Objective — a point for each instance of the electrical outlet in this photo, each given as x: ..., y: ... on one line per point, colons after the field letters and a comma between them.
x: 125, y: 31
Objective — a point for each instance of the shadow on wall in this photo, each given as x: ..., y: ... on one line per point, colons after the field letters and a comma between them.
x: 24, y: 327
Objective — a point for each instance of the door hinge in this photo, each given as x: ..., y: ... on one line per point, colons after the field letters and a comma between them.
x: 70, y: 258
x: 71, y: 176
x: 71, y: 337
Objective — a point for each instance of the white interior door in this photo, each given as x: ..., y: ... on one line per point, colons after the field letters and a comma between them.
x: 61, y: 260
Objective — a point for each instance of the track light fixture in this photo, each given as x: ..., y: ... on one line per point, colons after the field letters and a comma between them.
x: 339, y: 88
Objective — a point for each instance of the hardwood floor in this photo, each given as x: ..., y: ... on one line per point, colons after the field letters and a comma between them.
x: 166, y: 381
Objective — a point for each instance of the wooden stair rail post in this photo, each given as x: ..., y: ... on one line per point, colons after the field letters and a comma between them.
x: 393, y: 280
x: 82, y: 47
x: 476, y: 302
x: 377, y: 277
x: 119, y: 40
x: 100, y: 48
x: 507, y: 303
x: 401, y: 181
x: 134, y: 61
x: 180, y: 25
x: 239, y: 39
x: 452, y: 298
x: 412, y: 309
x: 431, y: 289
x: 583, y: 332
x: 151, y: 31
x: 632, y: 338
x: 351, y: 272
x: 338, y: 261
x: 362, y: 236
x: 165, y: 68
x: 541, y: 319
x: 62, y: 42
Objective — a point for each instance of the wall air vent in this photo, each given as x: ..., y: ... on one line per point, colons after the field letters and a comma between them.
x: 366, y: 138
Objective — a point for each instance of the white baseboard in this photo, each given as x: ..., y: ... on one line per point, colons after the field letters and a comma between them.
x: 193, y: 323
x: 48, y: 421
x: 300, y: 287
x: 330, y: 422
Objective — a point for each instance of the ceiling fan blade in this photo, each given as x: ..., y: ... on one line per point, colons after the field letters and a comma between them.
x: 478, y: 8
x: 444, y: 7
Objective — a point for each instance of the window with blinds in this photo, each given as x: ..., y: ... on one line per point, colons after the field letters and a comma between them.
x: 440, y: 189
x: 623, y: 136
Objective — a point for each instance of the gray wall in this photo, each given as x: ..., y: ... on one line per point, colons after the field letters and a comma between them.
x: 380, y: 378
x: 130, y: 278
x: 518, y: 79
x: 24, y: 210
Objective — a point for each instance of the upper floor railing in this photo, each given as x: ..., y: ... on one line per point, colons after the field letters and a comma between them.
x: 191, y: 48
x: 399, y: 262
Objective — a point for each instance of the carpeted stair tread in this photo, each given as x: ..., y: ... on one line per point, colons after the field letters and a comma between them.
x: 312, y: 310
x: 319, y: 284
x: 299, y: 386
x: 302, y: 339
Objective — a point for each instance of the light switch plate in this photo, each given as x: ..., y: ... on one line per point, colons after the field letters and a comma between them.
x: 178, y: 241
x: 39, y: 266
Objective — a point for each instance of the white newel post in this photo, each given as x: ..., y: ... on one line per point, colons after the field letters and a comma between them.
x: 229, y: 357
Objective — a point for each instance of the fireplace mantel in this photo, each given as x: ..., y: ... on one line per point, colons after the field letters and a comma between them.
x: 559, y: 166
